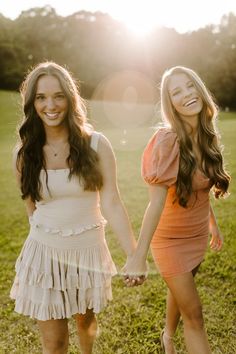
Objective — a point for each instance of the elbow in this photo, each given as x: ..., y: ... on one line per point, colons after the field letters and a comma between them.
x: 111, y: 204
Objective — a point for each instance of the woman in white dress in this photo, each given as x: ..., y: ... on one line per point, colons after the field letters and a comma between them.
x: 66, y: 171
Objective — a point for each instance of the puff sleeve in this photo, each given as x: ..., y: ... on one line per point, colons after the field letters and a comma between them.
x: 160, y: 160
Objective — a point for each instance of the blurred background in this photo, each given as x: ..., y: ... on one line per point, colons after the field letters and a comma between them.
x: 118, y: 50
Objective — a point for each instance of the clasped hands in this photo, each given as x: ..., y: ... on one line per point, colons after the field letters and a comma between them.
x: 135, y: 271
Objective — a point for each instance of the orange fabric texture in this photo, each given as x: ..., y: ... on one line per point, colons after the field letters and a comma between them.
x: 180, y: 240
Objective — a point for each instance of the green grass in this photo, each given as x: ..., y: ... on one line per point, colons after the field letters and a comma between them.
x: 132, y: 322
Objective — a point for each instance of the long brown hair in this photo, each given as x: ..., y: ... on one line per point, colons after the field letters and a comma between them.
x: 82, y: 161
x: 208, y: 138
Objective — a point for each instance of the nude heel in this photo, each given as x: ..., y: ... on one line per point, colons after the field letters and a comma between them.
x: 162, y: 341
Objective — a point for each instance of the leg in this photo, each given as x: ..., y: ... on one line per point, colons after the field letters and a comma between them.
x: 87, y: 330
x: 187, y: 299
x: 172, y: 319
x: 55, y: 337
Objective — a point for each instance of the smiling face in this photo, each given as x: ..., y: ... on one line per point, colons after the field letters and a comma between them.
x: 50, y: 101
x: 184, y: 96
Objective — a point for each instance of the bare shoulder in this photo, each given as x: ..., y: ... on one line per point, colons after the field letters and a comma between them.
x: 16, y: 165
x: 104, y: 146
x: 107, y: 158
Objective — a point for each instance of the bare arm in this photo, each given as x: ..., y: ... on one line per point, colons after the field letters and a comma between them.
x: 29, y: 204
x: 111, y: 204
x: 137, y: 265
x: 216, y: 236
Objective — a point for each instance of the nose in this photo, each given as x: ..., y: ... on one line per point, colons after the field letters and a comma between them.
x: 187, y: 92
x: 50, y: 103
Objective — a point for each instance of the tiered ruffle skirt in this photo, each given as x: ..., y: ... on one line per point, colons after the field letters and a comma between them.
x: 57, y: 277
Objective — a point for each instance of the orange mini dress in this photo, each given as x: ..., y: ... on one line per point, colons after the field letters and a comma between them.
x: 180, y: 240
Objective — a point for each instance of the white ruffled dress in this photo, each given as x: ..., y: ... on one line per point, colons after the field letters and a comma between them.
x: 65, y: 266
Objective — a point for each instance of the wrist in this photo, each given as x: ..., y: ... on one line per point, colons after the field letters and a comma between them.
x: 140, y: 256
x: 131, y: 249
x: 142, y: 251
x: 130, y: 253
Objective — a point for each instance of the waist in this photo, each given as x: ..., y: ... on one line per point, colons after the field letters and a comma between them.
x: 87, y: 239
x: 67, y: 219
x: 80, y: 203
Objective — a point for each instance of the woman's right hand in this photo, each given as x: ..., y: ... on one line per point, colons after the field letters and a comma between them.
x: 135, y: 271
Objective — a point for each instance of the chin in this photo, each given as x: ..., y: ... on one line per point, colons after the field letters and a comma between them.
x: 55, y: 123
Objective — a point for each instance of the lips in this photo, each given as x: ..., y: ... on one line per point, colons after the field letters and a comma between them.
x: 52, y: 115
x: 190, y: 102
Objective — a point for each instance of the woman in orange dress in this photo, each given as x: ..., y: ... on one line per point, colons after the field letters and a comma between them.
x: 181, y: 164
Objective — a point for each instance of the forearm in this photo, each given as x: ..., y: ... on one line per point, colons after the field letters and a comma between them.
x: 150, y: 221
x: 117, y: 218
x: 216, y: 241
x: 212, y: 219
x: 212, y: 215
x: 213, y: 226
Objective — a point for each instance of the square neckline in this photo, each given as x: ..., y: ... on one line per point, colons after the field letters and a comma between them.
x: 55, y: 169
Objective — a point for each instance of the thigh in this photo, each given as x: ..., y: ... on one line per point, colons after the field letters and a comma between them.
x: 54, y: 330
x: 184, y: 291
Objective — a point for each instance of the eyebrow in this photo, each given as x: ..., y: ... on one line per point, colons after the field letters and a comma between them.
x: 177, y: 87
x: 42, y: 93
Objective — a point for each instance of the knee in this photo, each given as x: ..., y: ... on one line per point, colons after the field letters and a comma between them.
x: 87, y: 322
x: 55, y: 346
x: 193, y: 317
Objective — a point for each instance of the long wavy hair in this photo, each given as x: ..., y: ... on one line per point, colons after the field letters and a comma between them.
x: 208, y: 139
x: 82, y: 160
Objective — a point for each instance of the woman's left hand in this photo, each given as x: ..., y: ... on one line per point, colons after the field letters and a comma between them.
x: 216, y: 242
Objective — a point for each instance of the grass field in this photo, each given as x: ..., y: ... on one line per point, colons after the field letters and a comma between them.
x: 132, y: 322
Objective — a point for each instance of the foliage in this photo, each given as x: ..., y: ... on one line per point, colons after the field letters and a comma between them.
x: 94, y: 46
x: 132, y: 322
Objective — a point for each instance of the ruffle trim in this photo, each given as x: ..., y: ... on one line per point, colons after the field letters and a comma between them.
x: 51, y: 268
x: 67, y: 232
x: 69, y: 305
x: 57, y: 283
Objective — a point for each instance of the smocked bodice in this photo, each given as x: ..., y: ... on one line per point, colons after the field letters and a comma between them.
x: 66, y: 208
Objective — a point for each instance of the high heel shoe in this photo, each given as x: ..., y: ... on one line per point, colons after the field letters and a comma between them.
x: 162, y: 341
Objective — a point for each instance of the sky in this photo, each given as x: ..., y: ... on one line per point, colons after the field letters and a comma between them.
x: 140, y: 15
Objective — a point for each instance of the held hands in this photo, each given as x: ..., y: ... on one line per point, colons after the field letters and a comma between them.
x: 216, y: 242
x: 135, y: 271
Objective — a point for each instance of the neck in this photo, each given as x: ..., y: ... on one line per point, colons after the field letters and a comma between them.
x: 191, y: 125
x: 56, y: 134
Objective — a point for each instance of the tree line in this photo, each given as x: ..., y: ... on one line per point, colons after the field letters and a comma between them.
x: 94, y: 45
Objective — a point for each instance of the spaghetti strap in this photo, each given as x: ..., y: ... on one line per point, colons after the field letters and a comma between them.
x: 94, y: 140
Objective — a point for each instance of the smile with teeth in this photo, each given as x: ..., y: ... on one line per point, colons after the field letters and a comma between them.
x: 52, y: 115
x: 189, y: 103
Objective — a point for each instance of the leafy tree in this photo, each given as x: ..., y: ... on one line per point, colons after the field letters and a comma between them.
x: 94, y: 46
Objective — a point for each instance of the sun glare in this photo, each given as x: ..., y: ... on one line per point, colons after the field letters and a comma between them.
x: 140, y: 28
x: 143, y: 16
x: 140, y: 18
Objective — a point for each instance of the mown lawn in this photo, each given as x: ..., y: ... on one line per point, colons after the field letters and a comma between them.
x: 132, y: 322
